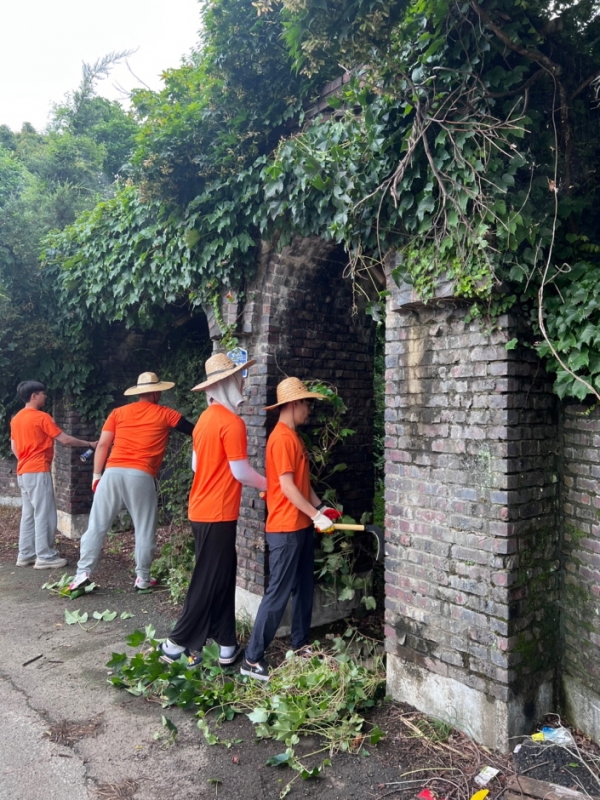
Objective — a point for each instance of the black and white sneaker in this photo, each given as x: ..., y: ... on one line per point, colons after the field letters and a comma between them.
x: 229, y: 660
x: 260, y: 670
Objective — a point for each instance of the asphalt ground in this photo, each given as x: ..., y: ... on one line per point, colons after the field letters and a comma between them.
x: 66, y: 733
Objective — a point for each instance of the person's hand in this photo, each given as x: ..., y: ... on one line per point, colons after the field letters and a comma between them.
x: 95, y: 481
x: 332, y: 513
x: 93, y: 445
x: 322, y: 523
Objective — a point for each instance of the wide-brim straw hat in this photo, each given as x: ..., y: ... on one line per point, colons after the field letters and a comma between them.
x: 293, y: 389
x: 149, y: 382
x: 219, y: 367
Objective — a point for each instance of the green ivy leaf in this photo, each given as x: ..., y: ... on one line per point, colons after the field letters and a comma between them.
x: 280, y: 760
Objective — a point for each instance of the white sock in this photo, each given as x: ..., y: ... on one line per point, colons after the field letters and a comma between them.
x: 171, y: 648
x: 227, y: 652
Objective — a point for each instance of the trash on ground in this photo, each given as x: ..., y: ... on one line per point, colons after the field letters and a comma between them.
x: 485, y: 776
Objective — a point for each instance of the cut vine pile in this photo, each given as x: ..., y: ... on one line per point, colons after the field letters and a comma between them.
x: 323, y: 695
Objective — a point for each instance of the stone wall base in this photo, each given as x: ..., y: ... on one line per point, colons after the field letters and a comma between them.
x: 73, y: 526
x: 490, y: 721
x: 7, y: 500
x: 582, y: 706
x: 324, y: 611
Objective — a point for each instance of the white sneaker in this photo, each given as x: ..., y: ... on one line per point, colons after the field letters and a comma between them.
x: 80, y: 581
x: 234, y: 654
x: 50, y: 563
x: 25, y: 562
x: 140, y: 584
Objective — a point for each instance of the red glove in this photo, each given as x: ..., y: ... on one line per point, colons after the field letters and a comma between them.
x: 95, y: 481
x: 332, y: 513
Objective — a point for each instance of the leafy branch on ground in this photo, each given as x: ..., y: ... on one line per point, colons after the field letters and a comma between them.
x: 77, y: 618
x: 61, y: 587
x: 325, y: 695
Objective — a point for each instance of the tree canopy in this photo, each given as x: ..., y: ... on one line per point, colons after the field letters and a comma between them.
x: 46, y: 181
x: 467, y: 140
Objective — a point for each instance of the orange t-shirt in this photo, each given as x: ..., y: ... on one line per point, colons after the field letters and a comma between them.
x: 33, y: 433
x: 219, y: 437
x: 141, y: 431
x: 286, y: 453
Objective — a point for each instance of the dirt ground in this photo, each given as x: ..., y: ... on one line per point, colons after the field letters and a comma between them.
x: 64, y: 731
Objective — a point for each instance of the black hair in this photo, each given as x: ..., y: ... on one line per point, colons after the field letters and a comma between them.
x: 26, y: 388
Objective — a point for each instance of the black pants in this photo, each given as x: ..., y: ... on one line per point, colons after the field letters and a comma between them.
x: 291, y: 573
x: 209, y: 607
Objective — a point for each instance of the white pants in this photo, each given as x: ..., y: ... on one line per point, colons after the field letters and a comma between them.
x: 118, y: 487
x: 38, y: 518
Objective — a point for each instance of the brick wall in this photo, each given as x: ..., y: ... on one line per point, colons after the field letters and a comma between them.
x: 123, y: 356
x: 298, y: 321
x: 72, y: 478
x: 8, y: 479
x: 471, y: 523
x: 581, y: 562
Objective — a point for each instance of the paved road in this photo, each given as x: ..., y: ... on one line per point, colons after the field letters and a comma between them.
x: 64, y: 687
x: 67, y: 686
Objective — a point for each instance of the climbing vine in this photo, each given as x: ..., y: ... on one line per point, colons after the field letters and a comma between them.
x: 462, y: 146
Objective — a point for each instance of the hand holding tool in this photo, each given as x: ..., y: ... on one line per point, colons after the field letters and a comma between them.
x: 322, y: 523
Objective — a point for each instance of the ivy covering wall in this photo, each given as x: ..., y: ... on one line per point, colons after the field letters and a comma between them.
x: 467, y: 139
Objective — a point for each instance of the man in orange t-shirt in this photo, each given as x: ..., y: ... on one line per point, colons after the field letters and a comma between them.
x: 32, y: 437
x: 221, y: 468
x: 294, y: 509
x: 138, y: 435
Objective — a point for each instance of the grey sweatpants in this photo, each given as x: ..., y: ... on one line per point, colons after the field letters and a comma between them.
x: 38, y: 518
x: 118, y: 487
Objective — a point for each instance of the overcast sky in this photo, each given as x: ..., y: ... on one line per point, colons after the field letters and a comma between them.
x: 44, y: 42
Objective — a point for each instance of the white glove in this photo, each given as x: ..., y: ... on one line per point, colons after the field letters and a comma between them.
x: 322, y: 523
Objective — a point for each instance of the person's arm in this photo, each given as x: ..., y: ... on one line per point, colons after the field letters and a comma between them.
x: 184, y: 426
x: 322, y: 523
x: 101, y: 454
x: 13, y: 447
x: 295, y: 496
x: 246, y: 475
x: 72, y: 441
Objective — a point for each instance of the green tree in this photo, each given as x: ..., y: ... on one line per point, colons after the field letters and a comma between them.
x: 463, y: 141
x: 229, y: 104
x: 46, y: 181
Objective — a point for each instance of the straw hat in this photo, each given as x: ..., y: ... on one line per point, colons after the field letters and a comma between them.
x: 293, y: 389
x: 148, y: 382
x: 219, y: 367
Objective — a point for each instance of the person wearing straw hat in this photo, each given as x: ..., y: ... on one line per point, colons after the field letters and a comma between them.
x: 294, y: 511
x: 137, y: 434
x: 221, y: 468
